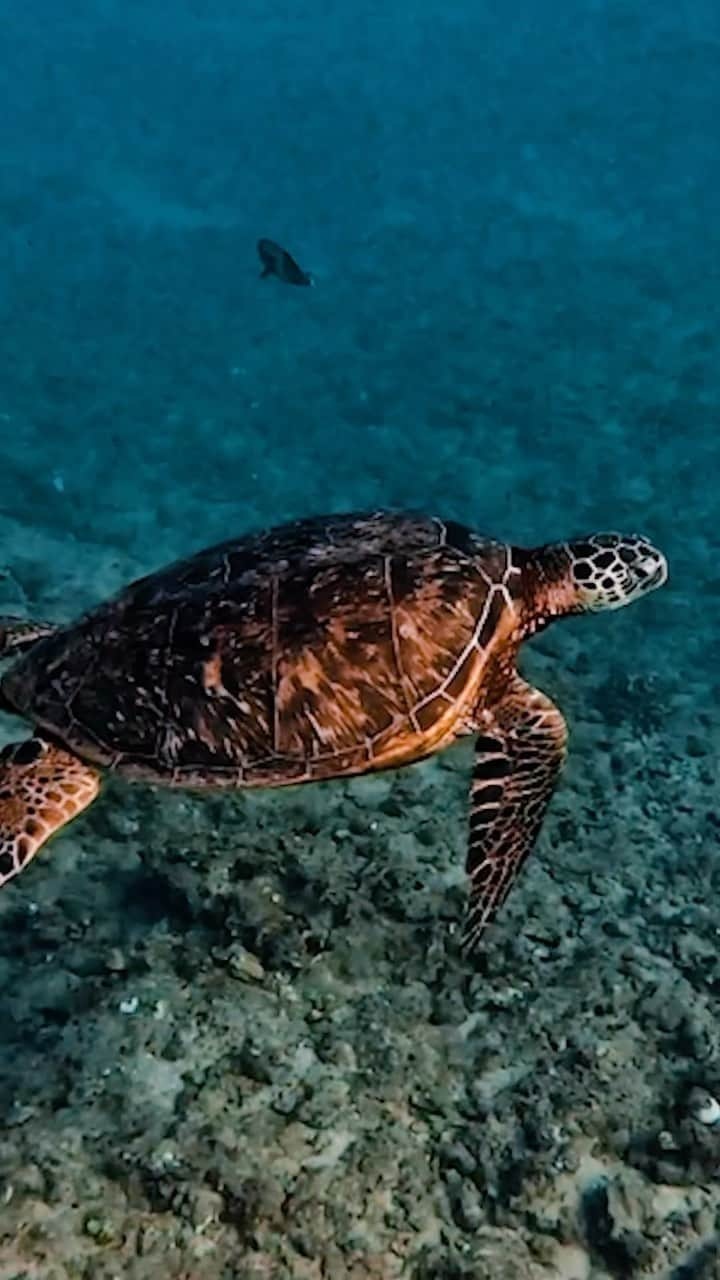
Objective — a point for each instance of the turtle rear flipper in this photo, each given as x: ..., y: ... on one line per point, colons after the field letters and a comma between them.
x: 17, y: 634
x: 41, y: 788
x: 518, y: 758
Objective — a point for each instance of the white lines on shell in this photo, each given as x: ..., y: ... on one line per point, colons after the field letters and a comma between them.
x: 322, y: 735
x: 402, y: 675
x: 442, y: 530
x: 511, y: 570
x: 473, y: 642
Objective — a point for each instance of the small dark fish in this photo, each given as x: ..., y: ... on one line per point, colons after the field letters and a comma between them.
x: 278, y: 262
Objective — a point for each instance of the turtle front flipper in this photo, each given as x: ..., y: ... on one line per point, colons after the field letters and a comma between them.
x: 518, y: 757
x: 17, y: 634
x: 41, y: 788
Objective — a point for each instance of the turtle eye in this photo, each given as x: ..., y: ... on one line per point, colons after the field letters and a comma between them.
x: 27, y: 752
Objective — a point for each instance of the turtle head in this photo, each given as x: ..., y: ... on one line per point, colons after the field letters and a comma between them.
x: 600, y: 571
x: 609, y: 570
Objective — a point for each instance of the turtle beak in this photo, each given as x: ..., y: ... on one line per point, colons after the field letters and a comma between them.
x: 659, y: 577
x: 652, y: 571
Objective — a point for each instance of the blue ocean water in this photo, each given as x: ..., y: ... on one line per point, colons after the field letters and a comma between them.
x: 512, y: 218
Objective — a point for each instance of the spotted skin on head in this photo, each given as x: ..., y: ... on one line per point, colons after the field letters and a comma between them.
x: 610, y: 570
x: 42, y: 788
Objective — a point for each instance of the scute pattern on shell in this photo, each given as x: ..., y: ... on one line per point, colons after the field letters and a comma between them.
x: 318, y: 648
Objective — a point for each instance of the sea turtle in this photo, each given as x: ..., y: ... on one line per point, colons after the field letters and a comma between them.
x: 320, y: 648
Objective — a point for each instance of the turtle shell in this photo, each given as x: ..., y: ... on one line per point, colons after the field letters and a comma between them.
x: 318, y: 648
